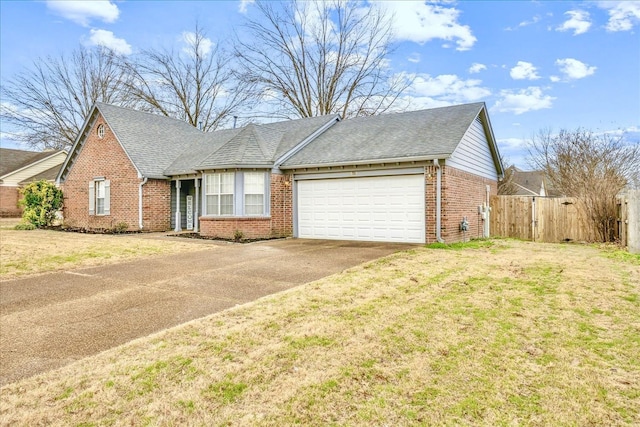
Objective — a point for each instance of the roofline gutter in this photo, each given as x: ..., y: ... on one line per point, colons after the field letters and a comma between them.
x: 371, y: 162
x: 436, y: 163
x: 144, y: 181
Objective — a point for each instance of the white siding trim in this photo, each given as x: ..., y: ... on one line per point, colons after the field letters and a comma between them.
x: 473, y: 154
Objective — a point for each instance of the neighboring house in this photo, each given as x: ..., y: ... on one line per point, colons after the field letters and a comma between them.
x: 406, y: 177
x: 525, y: 183
x: 19, y: 167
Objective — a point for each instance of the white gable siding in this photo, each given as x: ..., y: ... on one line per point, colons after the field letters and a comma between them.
x: 473, y: 154
x: 13, y: 179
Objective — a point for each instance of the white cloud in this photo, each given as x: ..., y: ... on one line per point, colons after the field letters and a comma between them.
x: 421, y: 22
x: 82, y: 12
x: 189, y: 38
x: 555, y: 79
x: 623, y: 15
x: 523, y: 100
x: 107, y: 39
x: 414, y: 57
x: 533, y: 20
x: 476, y: 68
x: 242, y: 7
x: 579, y: 22
x: 574, y: 69
x: 446, y: 89
x: 524, y: 71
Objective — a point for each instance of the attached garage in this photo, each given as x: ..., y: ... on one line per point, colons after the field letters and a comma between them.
x: 389, y: 208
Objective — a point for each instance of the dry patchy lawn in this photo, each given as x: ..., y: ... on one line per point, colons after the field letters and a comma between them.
x: 493, y: 333
x: 37, y: 251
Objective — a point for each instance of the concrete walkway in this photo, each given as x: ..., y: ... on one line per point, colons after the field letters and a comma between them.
x: 48, y: 321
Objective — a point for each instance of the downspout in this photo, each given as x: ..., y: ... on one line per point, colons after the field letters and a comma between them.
x: 436, y: 163
x: 144, y: 181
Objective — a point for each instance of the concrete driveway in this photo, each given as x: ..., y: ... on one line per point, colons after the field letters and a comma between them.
x: 51, y: 320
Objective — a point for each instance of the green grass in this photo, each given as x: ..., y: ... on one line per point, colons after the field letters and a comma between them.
x: 530, y: 334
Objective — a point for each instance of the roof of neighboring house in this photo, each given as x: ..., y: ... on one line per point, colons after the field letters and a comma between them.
x: 528, y: 183
x: 12, y: 160
x: 424, y: 134
x: 48, y: 175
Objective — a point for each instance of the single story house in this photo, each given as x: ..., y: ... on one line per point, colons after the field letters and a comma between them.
x: 20, y: 167
x: 404, y: 177
x: 518, y: 182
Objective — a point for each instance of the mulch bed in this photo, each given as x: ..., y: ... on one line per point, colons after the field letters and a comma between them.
x: 201, y: 237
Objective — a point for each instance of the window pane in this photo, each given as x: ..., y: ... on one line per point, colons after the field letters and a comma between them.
x: 100, y: 189
x: 226, y: 183
x: 253, y: 204
x: 100, y: 206
x: 226, y: 204
x: 212, y: 205
x: 254, y: 183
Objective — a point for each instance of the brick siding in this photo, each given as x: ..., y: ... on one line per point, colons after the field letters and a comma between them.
x: 9, y: 197
x: 462, y: 193
x: 106, y: 158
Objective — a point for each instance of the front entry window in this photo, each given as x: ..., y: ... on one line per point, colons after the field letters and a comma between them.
x: 219, y: 193
x: 254, y: 193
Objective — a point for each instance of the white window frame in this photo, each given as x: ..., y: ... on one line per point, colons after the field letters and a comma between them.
x: 99, y: 190
x: 239, y: 194
x: 253, y: 189
x: 214, y: 189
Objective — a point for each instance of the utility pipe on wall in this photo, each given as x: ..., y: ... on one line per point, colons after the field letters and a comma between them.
x: 144, y: 181
x: 436, y: 163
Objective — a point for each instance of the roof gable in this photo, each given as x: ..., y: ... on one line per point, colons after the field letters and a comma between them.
x: 424, y: 134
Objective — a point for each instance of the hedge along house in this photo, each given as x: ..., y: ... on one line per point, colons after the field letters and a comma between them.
x: 406, y: 177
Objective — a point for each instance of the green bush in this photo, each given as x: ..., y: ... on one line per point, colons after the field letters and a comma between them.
x: 41, y: 201
x: 24, y: 226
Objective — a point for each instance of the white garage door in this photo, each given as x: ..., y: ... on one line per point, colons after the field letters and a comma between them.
x: 381, y: 208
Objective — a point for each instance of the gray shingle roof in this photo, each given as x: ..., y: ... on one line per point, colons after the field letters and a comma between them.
x: 416, y: 134
x: 255, y: 145
x: 152, y: 141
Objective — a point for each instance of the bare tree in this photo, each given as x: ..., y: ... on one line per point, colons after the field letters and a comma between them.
x: 592, y: 167
x: 320, y: 57
x: 196, y: 84
x: 507, y: 187
x: 47, y: 104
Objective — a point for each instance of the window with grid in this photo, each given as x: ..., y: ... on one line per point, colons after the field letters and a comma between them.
x: 219, y: 193
x: 100, y: 193
x: 254, y: 193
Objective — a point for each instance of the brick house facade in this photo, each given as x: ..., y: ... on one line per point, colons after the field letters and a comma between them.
x: 125, y: 171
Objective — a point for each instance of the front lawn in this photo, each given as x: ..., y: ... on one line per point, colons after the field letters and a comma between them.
x: 498, y: 333
x: 24, y: 252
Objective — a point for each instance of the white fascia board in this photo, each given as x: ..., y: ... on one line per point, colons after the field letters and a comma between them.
x: 305, y: 142
x: 484, y: 118
x: 90, y: 117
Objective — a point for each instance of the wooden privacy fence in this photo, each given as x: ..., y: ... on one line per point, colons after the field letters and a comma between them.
x: 540, y: 219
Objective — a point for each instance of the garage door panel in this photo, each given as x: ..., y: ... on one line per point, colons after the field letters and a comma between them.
x: 384, y: 208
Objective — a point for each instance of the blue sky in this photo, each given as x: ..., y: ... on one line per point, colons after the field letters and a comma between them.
x: 536, y: 64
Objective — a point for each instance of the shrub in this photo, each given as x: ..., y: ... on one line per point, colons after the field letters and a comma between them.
x: 41, y: 201
x: 120, y: 228
x: 25, y: 226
